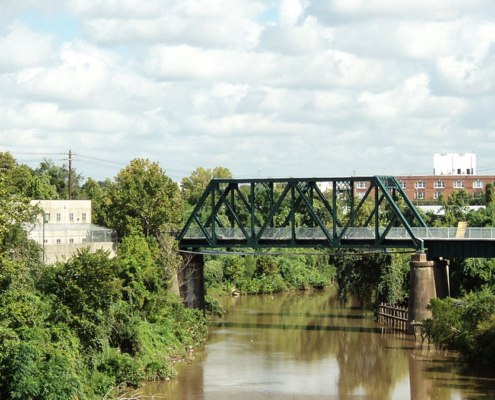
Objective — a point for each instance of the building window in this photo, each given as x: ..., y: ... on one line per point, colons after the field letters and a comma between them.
x: 59, y: 241
x: 47, y: 217
x: 478, y: 195
x: 458, y: 171
x: 478, y: 184
x: 45, y: 241
x: 436, y: 195
x: 420, y: 185
x: 361, y: 185
x: 71, y: 240
x: 71, y: 217
x: 84, y: 217
x: 59, y: 217
x: 402, y: 184
x: 419, y: 195
x: 360, y: 195
x: 84, y: 240
x: 439, y: 184
x: 458, y: 185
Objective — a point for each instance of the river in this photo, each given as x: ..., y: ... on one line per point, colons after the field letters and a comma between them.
x: 306, y: 345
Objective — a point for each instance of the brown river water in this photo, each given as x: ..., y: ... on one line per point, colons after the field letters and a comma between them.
x: 307, y: 345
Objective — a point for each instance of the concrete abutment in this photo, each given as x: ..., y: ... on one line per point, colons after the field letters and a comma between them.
x: 191, y: 281
x: 429, y: 280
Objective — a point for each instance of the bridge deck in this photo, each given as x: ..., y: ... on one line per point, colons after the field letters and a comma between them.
x: 439, y: 242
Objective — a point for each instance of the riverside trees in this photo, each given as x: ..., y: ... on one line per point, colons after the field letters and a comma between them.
x: 83, y: 326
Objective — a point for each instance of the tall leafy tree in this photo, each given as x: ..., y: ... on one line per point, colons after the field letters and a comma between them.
x: 143, y: 200
x: 97, y: 192
x: 58, y: 177
x: 489, y: 193
x: 194, y: 186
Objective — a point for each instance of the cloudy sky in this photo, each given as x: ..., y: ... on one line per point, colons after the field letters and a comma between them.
x: 273, y: 87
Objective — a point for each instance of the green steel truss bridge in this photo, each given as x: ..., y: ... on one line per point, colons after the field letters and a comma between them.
x: 322, y: 213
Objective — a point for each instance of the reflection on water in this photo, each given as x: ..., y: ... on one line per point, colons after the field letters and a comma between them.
x: 308, y: 346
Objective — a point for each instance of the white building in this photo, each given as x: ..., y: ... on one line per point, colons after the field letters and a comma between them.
x: 66, y: 227
x: 454, y: 164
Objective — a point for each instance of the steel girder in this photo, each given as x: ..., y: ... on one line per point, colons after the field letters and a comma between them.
x: 297, y: 212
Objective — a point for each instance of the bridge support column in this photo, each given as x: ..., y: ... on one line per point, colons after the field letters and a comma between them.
x: 191, y: 281
x: 429, y: 280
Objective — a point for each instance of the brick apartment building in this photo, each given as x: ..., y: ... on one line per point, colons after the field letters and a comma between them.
x: 450, y: 172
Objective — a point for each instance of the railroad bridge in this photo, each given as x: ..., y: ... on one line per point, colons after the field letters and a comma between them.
x: 325, y: 213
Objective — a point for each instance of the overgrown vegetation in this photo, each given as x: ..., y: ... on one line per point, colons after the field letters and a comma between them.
x: 466, y: 321
x: 267, y: 273
x: 91, y: 325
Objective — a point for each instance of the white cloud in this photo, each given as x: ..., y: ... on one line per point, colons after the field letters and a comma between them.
x: 21, y: 47
x: 429, y: 9
x: 338, y: 85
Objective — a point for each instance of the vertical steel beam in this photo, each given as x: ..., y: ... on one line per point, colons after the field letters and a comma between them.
x: 334, y: 206
x: 253, y: 235
x: 213, y: 225
x: 232, y: 205
x: 270, y: 185
x: 293, y: 214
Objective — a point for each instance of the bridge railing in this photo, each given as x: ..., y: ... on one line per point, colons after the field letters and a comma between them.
x: 351, y: 233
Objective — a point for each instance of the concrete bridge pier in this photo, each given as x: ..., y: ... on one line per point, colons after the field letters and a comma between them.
x: 429, y: 280
x: 191, y: 281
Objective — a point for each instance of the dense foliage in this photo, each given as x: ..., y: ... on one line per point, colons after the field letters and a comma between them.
x: 467, y: 324
x: 88, y: 326
x: 267, y: 273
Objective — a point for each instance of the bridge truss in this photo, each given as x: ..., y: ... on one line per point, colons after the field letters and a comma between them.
x: 309, y: 212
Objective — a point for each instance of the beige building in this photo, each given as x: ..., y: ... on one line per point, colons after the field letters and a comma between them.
x: 66, y: 227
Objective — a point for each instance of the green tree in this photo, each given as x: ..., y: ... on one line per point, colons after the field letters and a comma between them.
x: 194, y: 186
x: 489, y: 194
x: 455, y: 207
x: 143, y: 200
x: 58, y: 177
x: 98, y: 193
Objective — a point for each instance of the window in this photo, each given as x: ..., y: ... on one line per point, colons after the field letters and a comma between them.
x: 361, y: 185
x: 59, y: 241
x: 436, y: 195
x: 59, y: 217
x: 458, y: 184
x: 420, y: 185
x: 478, y: 184
x: 71, y: 217
x: 71, y: 240
x: 45, y: 241
x: 419, y: 195
x: 84, y: 240
x: 402, y: 184
x: 360, y: 195
x: 458, y: 171
x: 84, y: 217
x: 439, y: 184
x: 47, y: 217
x: 478, y: 195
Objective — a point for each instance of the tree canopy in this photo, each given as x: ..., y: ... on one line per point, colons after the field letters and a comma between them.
x: 143, y: 200
x: 194, y: 186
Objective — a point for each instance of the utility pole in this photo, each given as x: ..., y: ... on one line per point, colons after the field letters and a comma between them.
x: 70, y: 175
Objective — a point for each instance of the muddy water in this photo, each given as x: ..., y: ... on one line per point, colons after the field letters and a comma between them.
x: 308, y: 346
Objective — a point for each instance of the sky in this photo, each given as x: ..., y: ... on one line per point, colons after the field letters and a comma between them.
x: 270, y: 88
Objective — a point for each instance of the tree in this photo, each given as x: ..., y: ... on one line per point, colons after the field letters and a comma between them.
x: 59, y: 178
x: 489, y: 194
x: 194, y: 186
x: 97, y: 192
x: 143, y: 200
x: 455, y: 207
